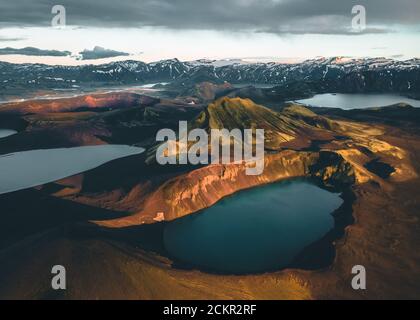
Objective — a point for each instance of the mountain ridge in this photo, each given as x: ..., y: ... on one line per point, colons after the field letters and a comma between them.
x: 359, y: 75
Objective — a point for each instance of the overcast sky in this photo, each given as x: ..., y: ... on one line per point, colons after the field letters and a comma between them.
x: 191, y: 29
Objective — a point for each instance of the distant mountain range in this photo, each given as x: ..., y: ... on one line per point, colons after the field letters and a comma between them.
x: 337, y: 74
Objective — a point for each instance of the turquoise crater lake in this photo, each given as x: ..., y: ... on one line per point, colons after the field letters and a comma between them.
x: 255, y: 230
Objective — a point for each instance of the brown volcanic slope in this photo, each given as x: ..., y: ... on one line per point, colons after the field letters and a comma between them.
x: 119, y: 118
x: 280, y: 128
x: 91, y: 102
x: 66, y: 122
x: 203, y: 187
x: 207, y: 91
x: 340, y: 162
x: 384, y: 238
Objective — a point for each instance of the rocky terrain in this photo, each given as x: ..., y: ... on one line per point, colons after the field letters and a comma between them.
x: 106, y: 224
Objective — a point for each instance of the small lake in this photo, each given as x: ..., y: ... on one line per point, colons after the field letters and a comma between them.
x: 27, y: 169
x: 151, y: 85
x: 255, y: 85
x: 6, y: 132
x: 356, y: 101
x: 256, y: 230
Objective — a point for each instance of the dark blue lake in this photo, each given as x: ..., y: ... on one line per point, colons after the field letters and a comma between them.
x: 349, y: 101
x: 255, y: 230
x: 26, y: 169
x: 6, y: 132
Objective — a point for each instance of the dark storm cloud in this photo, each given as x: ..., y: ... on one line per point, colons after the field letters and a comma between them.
x: 30, y: 51
x: 323, y: 30
x: 280, y: 16
x: 100, y: 53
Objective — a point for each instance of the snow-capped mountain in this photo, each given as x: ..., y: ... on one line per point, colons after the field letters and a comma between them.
x: 370, y: 74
